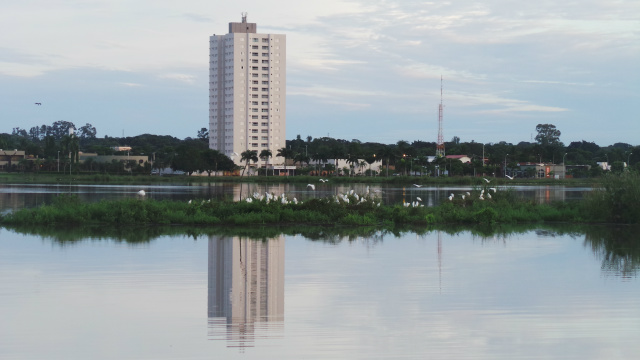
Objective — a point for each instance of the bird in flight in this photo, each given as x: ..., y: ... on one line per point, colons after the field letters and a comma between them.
x: 510, y: 177
x: 313, y: 187
x: 38, y: 103
x: 416, y: 185
x: 487, y: 180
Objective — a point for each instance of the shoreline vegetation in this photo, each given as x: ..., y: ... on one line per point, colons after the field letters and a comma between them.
x: 615, y: 200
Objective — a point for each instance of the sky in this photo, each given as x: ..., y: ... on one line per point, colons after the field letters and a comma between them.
x: 367, y: 70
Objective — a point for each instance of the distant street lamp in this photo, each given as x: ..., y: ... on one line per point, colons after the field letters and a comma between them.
x: 505, y: 165
x: 564, y: 167
x: 58, y: 160
x: 629, y: 160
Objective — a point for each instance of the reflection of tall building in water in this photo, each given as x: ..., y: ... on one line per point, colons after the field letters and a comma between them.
x: 246, y: 288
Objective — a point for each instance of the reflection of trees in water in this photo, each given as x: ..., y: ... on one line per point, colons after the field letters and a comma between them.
x: 618, y: 247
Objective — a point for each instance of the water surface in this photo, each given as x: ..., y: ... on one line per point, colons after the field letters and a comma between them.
x: 529, y: 295
x: 16, y: 196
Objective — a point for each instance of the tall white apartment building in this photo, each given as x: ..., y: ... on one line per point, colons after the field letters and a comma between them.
x: 247, y: 91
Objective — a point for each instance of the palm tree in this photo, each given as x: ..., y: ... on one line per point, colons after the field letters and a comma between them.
x: 387, y: 152
x: 266, y: 154
x: 285, y: 153
x: 246, y: 156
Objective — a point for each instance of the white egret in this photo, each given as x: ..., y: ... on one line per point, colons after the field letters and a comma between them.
x: 487, y: 180
x: 510, y: 177
x: 313, y: 187
x: 142, y: 193
x: 416, y: 185
x: 418, y: 197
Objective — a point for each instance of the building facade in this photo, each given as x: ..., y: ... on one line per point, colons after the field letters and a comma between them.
x: 247, y: 91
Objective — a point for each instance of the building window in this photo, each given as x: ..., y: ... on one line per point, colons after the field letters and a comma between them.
x: 254, y: 117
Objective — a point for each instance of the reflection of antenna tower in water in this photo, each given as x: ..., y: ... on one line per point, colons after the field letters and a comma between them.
x: 440, y: 142
x: 440, y: 260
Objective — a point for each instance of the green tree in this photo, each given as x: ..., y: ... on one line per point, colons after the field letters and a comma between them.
x: 203, y: 134
x: 247, y: 156
x: 285, y: 153
x: 548, y: 135
x: 265, y: 155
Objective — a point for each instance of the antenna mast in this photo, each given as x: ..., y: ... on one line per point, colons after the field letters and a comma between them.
x: 440, y: 143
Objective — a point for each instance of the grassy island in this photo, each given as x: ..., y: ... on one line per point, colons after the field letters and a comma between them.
x: 617, y: 201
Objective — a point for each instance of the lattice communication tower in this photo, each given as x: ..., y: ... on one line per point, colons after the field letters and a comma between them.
x: 440, y: 144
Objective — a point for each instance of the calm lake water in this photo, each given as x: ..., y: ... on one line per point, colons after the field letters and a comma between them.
x: 534, y: 294
x: 16, y: 196
x: 523, y: 294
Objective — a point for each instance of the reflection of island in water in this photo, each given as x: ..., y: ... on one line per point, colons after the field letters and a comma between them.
x: 246, y: 288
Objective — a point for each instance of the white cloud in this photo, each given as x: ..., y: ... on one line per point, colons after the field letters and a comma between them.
x: 186, y: 78
x: 127, y: 84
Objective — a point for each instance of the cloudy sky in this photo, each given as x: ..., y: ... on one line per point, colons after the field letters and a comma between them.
x: 367, y: 70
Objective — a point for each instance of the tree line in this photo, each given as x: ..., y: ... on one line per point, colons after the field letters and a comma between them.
x: 46, y: 142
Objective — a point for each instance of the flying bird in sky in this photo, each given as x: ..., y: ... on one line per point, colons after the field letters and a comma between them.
x: 38, y: 103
